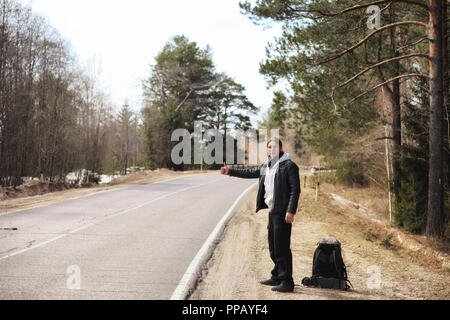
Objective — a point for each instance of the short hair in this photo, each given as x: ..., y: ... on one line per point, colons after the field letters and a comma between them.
x: 276, y: 140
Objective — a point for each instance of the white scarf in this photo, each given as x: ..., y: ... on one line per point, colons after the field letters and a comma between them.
x: 269, y: 181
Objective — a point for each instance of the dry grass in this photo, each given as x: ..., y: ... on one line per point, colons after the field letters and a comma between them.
x: 373, y: 198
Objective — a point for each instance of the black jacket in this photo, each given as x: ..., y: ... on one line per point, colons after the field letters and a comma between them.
x: 286, y: 189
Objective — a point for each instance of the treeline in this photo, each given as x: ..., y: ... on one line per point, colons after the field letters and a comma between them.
x: 369, y: 92
x: 54, y: 119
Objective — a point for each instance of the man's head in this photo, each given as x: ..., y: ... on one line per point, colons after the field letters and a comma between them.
x: 274, y: 147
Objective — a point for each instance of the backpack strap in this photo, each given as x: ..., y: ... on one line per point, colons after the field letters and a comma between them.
x: 339, y: 274
x: 315, y: 258
x: 351, y: 285
x: 339, y: 265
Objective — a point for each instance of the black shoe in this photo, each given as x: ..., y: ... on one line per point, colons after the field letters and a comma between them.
x: 270, y: 282
x: 284, y: 287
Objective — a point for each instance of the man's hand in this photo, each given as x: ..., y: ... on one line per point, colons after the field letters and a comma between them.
x: 289, y: 217
x: 224, y: 170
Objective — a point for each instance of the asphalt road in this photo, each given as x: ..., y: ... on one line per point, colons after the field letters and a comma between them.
x: 129, y: 243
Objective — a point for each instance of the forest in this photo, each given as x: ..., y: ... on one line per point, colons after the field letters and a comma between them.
x: 368, y: 90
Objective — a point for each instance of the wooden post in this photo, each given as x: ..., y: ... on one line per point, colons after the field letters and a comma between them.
x: 386, y: 145
x: 317, y: 190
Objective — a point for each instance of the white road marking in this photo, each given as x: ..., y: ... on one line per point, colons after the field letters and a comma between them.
x: 190, y: 276
x: 89, y: 195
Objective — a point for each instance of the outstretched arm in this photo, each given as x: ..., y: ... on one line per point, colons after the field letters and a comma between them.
x: 252, y: 173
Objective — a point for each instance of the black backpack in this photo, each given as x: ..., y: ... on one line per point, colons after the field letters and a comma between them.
x: 328, y: 269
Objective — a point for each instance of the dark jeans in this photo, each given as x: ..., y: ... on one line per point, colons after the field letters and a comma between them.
x: 280, y: 247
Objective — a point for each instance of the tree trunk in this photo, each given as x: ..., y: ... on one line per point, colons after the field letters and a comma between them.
x: 446, y: 105
x: 396, y: 134
x: 394, y: 97
x: 436, y: 217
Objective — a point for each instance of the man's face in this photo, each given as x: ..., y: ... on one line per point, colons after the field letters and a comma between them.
x: 273, y: 149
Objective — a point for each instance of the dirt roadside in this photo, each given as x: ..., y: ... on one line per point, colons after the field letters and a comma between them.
x: 242, y: 259
x: 37, y: 193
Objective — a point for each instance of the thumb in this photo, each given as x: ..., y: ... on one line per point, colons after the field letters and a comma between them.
x: 225, y: 165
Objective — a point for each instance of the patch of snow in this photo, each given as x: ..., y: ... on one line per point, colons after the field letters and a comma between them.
x: 107, y: 178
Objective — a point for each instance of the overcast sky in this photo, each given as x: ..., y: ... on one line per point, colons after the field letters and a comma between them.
x: 125, y: 36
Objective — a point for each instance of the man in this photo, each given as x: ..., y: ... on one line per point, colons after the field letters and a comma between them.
x: 279, y: 191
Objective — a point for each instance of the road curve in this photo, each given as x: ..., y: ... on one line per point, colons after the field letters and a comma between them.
x: 129, y: 243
